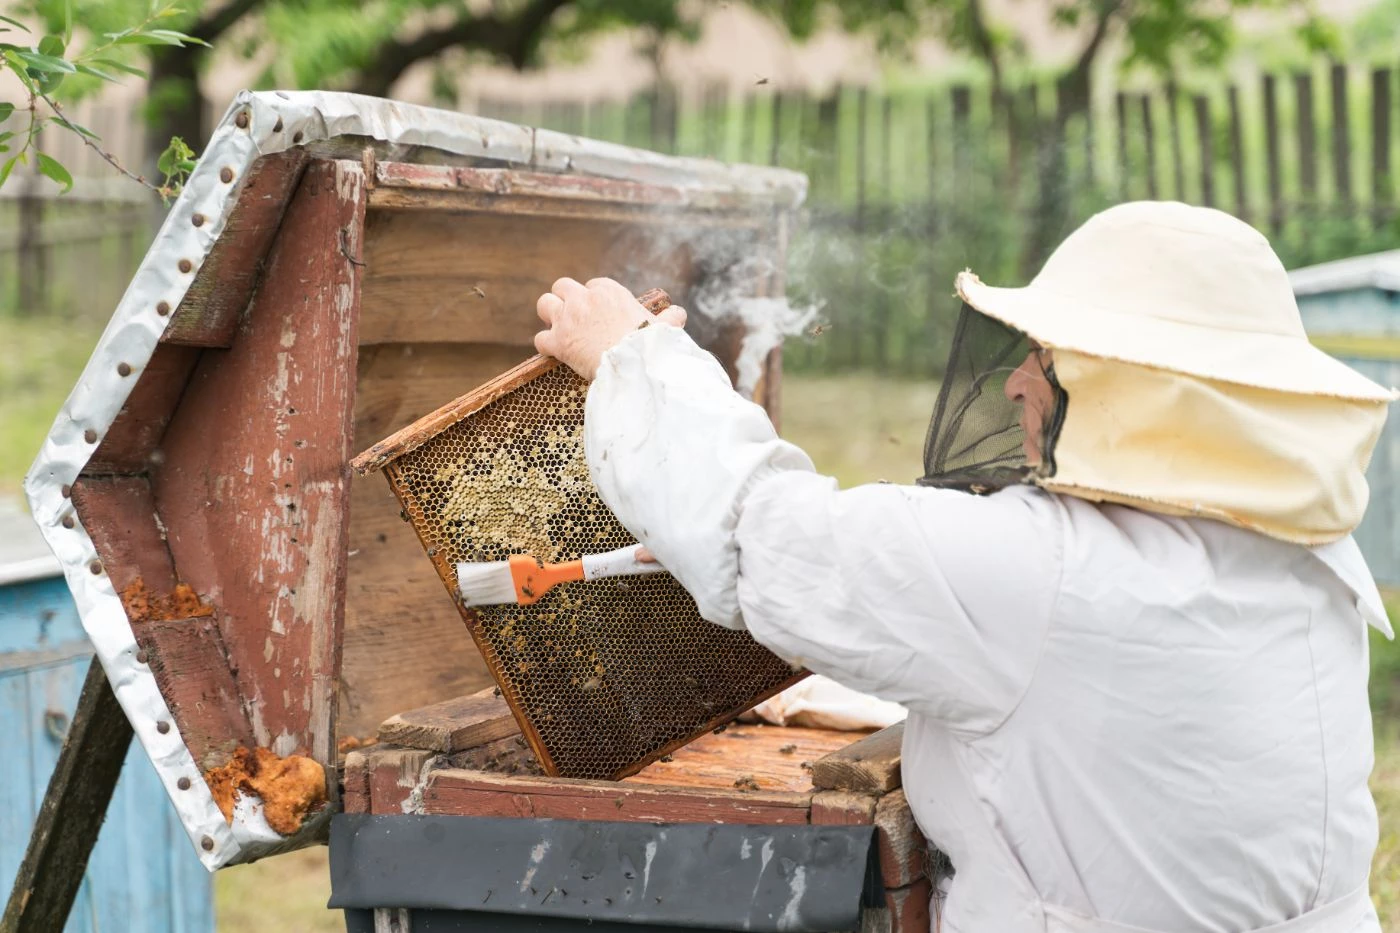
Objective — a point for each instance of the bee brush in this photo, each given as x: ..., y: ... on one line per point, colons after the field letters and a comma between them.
x: 523, y: 579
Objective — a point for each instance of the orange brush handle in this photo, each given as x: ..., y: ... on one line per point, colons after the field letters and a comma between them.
x: 533, y: 579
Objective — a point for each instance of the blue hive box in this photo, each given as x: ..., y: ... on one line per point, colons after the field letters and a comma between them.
x: 144, y: 876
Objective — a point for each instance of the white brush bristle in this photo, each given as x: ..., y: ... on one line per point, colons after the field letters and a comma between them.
x: 488, y: 584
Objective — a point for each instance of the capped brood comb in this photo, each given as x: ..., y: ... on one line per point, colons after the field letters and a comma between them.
x: 603, y: 676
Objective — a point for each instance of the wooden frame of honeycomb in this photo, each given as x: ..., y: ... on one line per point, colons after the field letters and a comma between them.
x: 605, y: 676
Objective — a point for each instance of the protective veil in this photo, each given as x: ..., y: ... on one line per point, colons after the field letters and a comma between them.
x: 976, y: 441
x: 1202, y: 394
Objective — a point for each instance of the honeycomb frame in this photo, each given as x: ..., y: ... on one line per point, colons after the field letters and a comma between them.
x: 603, y: 676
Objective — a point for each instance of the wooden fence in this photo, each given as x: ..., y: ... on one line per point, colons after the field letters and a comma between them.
x: 910, y: 186
x: 74, y: 253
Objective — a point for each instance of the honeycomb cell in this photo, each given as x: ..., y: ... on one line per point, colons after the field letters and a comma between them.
x: 604, y: 676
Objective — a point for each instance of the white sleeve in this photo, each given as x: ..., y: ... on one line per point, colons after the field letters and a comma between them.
x: 932, y: 599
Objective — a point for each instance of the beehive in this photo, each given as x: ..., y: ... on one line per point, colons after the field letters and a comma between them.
x: 603, y: 676
x: 335, y: 269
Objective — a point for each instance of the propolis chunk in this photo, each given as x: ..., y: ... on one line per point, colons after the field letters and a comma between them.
x: 289, y: 787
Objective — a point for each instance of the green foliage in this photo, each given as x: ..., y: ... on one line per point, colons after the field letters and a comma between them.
x: 176, y: 162
x: 46, y: 66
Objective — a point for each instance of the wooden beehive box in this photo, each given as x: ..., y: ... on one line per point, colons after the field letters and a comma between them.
x: 335, y: 268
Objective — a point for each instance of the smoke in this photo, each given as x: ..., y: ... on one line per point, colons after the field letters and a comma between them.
x: 726, y: 277
x: 767, y: 323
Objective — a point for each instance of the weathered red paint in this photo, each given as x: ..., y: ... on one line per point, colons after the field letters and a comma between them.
x: 254, y: 487
x: 909, y: 908
x: 118, y: 513
x: 135, y: 436
x: 224, y: 283
x: 513, y: 182
x: 191, y: 668
x: 902, y: 847
x: 476, y: 793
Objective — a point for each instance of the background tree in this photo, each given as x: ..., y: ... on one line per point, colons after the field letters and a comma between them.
x: 368, y: 47
x: 53, y: 66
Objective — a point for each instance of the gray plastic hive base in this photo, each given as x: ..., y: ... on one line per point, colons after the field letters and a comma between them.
x: 433, y: 874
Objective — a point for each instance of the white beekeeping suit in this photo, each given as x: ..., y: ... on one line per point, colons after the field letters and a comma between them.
x: 1136, y: 670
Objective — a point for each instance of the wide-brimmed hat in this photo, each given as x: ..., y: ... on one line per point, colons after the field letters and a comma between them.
x: 1186, y: 289
x: 1186, y: 382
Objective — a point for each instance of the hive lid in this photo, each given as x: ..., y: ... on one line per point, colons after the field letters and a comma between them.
x: 183, y: 321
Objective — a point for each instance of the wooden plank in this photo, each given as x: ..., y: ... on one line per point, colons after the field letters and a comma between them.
x: 1341, y: 134
x: 453, y: 725
x: 429, y: 426
x: 902, y: 846
x: 869, y: 766
x: 699, y: 207
x: 119, y: 514
x: 509, y: 755
x: 1237, y: 160
x: 515, y: 184
x: 1120, y: 110
x: 962, y: 140
x: 135, y: 435
x: 1271, y: 153
x: 1150, y: 142
x: 404, y: 643
x: 474, y: 793
x: 909, y: 907
x: 772, y: 757
x: 1205, y: 136
x: 775, y: 131
x: 18, y: 792
x: 392, y: 776
x: 716, y: 112
x: 71, y: 815
x: 191, y: 668
x: 1382, y: 180
x: 225, y: 281
x: 454, y: 278
x: 1307, y: 136
x: 1174, y: 137
x: 254, y: 488
x: 354, y: 783
x: 843, y: 808
x: 1090, y: 169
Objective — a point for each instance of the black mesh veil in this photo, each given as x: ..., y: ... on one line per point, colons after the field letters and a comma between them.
x: 975, y: 439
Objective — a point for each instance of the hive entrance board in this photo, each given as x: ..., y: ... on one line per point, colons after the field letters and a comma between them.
x: 603, y: 676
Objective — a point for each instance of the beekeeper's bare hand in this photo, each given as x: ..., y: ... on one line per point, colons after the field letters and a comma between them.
x: 585, y: 321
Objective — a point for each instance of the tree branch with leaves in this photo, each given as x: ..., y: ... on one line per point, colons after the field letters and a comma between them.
x: 43, y: 67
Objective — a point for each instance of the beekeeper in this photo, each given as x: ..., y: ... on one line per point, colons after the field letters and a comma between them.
x: 1136, y: 664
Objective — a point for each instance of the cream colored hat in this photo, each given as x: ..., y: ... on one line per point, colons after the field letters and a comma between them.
x: 1192, y: 387
x: 1187, y: 289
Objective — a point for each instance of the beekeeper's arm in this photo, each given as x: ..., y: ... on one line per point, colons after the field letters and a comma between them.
x: 932, y: 599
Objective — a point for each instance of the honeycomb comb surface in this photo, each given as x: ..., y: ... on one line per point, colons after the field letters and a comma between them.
x: 606, y: 675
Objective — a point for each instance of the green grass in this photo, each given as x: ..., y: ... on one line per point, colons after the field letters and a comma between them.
x: 859, y: 428
x: 1385, y: 786
x: 39, y: 365
x: 285, y: 893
